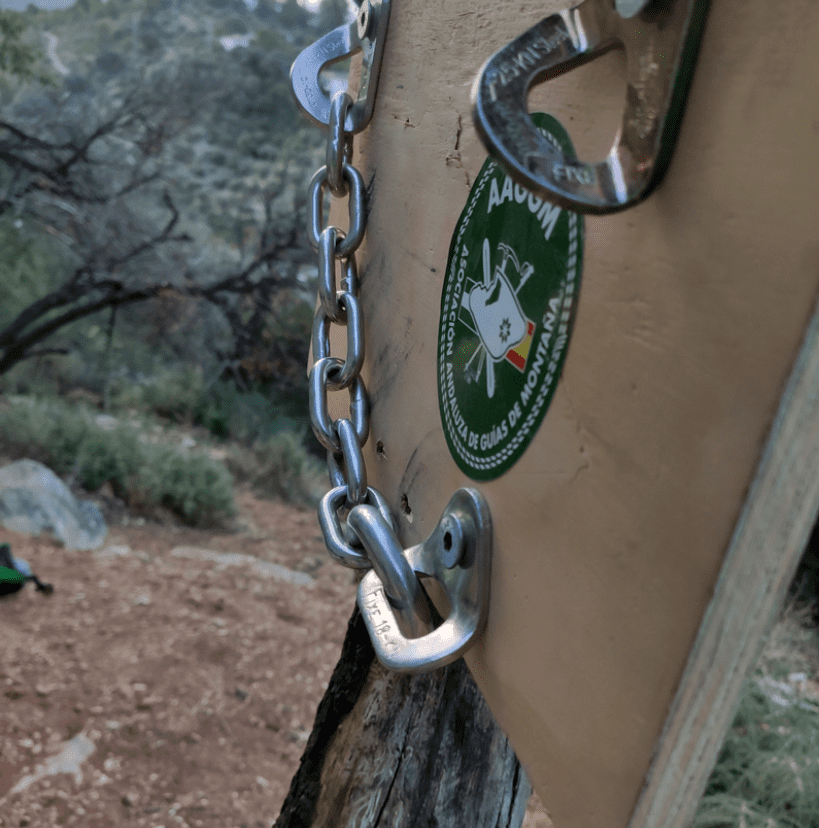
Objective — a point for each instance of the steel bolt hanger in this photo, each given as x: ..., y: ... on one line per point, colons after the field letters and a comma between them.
x: 365, y: 34
x: 660, y: 39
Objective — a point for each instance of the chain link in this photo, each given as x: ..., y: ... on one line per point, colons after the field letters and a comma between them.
x: 350, y: 241
x: 321, y: 382
x: 355, y: 470
x: 343, y: 438
x: 342, y: 544
x: 339, y: 145
x: 350, y: 315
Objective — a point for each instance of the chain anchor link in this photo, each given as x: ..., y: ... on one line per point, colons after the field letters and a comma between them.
x: 365, y: 34
x: 660, y: 41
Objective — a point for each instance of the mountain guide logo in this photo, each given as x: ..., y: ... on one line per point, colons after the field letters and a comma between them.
x: 508, y: 304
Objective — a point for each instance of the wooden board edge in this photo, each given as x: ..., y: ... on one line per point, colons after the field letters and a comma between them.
x: 765, y: 549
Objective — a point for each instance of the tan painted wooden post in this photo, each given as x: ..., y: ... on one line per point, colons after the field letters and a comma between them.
x: 645, y: 539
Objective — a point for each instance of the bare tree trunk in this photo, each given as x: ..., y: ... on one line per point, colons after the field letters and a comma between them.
x: 396, y: 751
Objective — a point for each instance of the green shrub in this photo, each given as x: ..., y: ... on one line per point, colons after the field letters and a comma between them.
x: 193, y: 486
x: 170, y: 393
x: 145, y: 475
x: 182, y: 396
x: 280, y: 466
x: 110, y: 457
x: 247, y: 416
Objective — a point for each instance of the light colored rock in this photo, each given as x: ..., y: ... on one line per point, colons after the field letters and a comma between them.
x: 225, y: 559
x: 68, y: 760
x: 113, y: 551
x: 34, y: 500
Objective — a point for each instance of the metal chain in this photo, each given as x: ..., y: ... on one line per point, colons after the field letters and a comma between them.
x: 406, y: 629
x: 344, y: 437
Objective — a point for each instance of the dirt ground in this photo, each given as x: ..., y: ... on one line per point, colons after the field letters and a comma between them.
x: 172, y: 677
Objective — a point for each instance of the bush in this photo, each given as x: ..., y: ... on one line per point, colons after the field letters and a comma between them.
x: 172, y: 394
x: 767, y: 773
x: 182, y: 396
x: 247, y: 416
x: 280, y: 466
x: 193, y: 486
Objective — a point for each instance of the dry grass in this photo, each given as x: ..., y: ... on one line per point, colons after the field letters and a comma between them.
x: 767, y: 774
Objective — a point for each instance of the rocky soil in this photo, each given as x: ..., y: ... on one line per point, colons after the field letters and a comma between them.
x: 172, y: 677
x: 190, y: 680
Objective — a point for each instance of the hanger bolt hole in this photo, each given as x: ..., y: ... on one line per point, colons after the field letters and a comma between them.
x: 452, y: 541
x: 365, y: 20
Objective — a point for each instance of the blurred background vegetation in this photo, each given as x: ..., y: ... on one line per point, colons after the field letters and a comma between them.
x: 153, y: 170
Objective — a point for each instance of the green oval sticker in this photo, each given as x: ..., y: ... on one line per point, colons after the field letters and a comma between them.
x: 508, y: 304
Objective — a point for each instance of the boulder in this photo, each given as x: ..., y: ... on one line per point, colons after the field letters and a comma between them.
x: 34, y: 500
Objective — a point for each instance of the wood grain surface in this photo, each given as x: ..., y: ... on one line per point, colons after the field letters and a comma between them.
x: 398, y: 751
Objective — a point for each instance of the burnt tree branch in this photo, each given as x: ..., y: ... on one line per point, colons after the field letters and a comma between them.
x: 86, y: 185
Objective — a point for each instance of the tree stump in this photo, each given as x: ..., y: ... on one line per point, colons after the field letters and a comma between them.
x: 396, y: 751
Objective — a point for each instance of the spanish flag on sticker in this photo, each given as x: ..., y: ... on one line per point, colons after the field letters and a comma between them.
x: 520, y: 353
